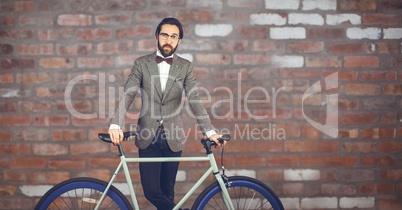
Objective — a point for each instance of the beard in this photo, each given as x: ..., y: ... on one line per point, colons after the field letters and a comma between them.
x: 167, y: 49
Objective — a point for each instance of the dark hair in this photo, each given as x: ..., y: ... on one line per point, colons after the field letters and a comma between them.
x: 170, y: 21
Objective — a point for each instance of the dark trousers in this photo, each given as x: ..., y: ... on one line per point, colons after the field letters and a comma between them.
x: 158, y: 179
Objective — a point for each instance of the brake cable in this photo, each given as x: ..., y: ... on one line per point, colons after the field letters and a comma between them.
x: 223, y: 175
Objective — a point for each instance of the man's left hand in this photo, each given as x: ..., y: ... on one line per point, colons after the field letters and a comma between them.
x: 215, y: 138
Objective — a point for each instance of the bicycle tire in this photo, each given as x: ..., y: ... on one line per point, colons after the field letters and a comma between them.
x: 245, y: 193
x: 82, y: 193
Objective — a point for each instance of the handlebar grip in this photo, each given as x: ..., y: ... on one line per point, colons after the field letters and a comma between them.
x: 106, y: 137
x: 225, y: 137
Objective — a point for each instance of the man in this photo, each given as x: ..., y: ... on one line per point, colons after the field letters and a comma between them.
x: 161, y: 77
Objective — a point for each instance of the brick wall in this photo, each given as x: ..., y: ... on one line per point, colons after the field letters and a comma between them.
x: 272, y: 69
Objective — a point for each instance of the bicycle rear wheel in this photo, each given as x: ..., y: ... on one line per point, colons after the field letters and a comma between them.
x: 245, y: 193
x: 82, y: 193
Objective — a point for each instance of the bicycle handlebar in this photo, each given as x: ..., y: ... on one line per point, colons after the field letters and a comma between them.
x: 106, y: 138
x: 225, y: 137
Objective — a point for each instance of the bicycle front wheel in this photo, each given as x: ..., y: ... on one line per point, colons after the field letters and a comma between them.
x: 82, y: 193
x: 245, y: 193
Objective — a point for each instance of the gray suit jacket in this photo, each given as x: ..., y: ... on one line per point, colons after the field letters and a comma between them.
x: 157, y: 105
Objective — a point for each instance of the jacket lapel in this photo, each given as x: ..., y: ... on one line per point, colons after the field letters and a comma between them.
x: 154, y: 72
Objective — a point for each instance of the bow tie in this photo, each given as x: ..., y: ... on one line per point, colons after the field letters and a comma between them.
x: 159, y: 59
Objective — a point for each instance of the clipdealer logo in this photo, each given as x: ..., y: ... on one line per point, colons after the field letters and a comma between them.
x: 331, y: 101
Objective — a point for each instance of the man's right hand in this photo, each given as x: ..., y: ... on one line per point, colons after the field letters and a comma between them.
x: 116, y: 136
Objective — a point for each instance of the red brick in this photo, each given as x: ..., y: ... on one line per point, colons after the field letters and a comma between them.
x: 356, y: 119
x: 317, y: 160
x: 357, y: 5
x: 311, y: 146
x: 74, y: 49
x: 390, y: 146
x: 12, y: 149
x: 39, y: 177
x: 135, y: 31
x: 74, y: 20
x: 344, y: 48
x: 51, y: 120
x: 380, y: 19
x: 17, y: 34
x: 6, y: 20
x: 391, y: 5
x: 31, y: 78
x: 19, y: 6
x: 393, y: 89
x: 348, y: 76
x: 55, y: 34
x: 56, y: 63
x: 374, y: 161
x: 5, y: 135
x: 50, y: 149
x: 50, y: 92
x: 34, y: 134
x: 392, y: 62
x: 6, y: 78
x: 294, y: 74
x: 112, y: 19
x: 6, y: 49
x: 378, y: 75
x: 362, y: 89
x: 85, y: 148
x: 25, y: 20
x: 101, y: 174
x: 358, y: 147
x: 114, y: 47
x: 362, y: 61
x: 17, y: 63
x: 8, y: 106
x: 328, y: 61
x: 97, y: 62
x: 16, y: 203
x: 212, y: 59
x: 69, y: 135
x: 152, y: 16
x: 305, y: 47
x: 348, y: 133
x: 250, y: 160
x: 254, y: 32
x: 67, y: 164
x: 35, y: 106
x: 245, y: 4
x: 26, y: 163
x: 389, y: 118
x: 351, y: 104
x: 283, y: 160
x: 15, y: 120
x: 195, y: 16
x: 385, y: 47
x: 251, y: 59
x: 94, y: 34
x: 325, y: 33
x: 389, y: 203
x: 266, y: 45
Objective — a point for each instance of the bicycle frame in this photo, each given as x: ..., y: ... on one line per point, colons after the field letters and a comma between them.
x: 212, y: 169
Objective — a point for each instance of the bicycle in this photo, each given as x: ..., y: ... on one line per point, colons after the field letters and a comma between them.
x: 237, y: 192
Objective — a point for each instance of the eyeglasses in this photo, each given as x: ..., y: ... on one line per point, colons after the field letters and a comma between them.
x: 165, y: 36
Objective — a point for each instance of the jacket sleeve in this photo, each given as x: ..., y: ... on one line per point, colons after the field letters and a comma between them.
x: 195, y: 103
x: 131, y: 88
